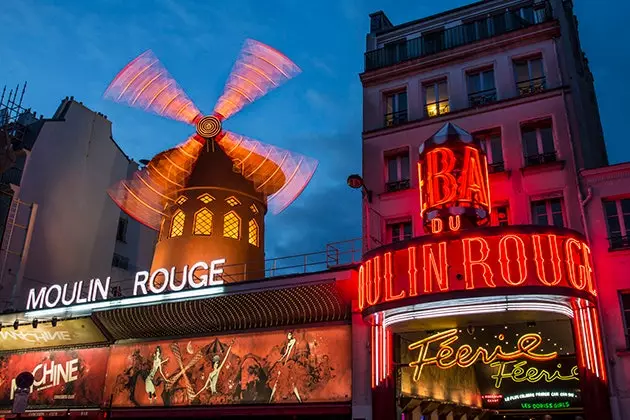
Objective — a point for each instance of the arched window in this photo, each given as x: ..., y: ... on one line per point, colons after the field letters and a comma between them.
x: 177, y: 225
x: 253, y: 208
x: 205, y: 198
x: 253, y: 232
x: 203, y: 222
x: 231, y: 225
x: 181, y: 200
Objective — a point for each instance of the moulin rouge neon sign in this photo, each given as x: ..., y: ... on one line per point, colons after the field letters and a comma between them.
x: 511, y: 257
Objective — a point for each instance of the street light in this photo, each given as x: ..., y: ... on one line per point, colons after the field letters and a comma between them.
x: 355, y: 181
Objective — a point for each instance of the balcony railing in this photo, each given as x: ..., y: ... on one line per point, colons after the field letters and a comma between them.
x: 529, y: 87
x: 437, y: 108
x: 483, y: 97
x: 457, y: 36
x: 542, y: 158
x: 395, y: 118
x: 619, y: 242
x: 397, y: 185
x: 496, y: 167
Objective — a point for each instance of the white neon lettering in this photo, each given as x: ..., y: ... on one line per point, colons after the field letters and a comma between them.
x: 100, y: 288
x: 53, y: 303
x: 163, y: 286
x: 203, y: 277
x: 142, y: 284
x: 214, y: 270
x: 33, y: 301
x: 64, y: 299
x: 79, y: 298
x: 176, y: 288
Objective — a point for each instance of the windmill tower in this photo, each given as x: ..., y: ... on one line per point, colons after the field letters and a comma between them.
x: 208, y: 196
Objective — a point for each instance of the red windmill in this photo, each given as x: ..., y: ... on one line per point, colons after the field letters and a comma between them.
x: 270, y: 176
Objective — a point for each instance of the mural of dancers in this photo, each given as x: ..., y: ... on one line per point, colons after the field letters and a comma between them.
x: 298, y: 366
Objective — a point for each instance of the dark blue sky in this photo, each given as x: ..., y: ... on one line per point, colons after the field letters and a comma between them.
x: 75, y: 50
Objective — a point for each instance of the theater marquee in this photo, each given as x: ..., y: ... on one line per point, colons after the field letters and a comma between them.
x: 491, y: 258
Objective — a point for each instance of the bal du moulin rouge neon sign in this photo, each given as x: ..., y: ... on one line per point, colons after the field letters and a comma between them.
x: 455, y: 197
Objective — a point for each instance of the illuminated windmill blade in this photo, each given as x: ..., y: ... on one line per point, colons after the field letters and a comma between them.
x: 258, y: 70
x: 277, y: 172
x: 145, y: 196
x: 144, y: 83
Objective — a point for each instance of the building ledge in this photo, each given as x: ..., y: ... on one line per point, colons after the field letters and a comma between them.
x: 501, y: 175
x: 464, y: 112
x: 543, y: 167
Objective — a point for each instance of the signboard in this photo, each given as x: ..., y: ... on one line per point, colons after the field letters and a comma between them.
x: 67, y: 332
x: 147, y: 285
x: 292, y: 366
x: 62, y: 378
x: 495, y: 367
x: 508, y: 257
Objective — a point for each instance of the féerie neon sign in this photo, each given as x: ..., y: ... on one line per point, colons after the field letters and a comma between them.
x: 197, y: 276
x: 447, y: 357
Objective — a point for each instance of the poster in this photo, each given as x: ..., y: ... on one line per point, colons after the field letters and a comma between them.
x: 63, y: 378
x: 292, y: 366
x: 66, y: 332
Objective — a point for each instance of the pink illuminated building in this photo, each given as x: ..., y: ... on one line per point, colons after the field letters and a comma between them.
x: 512, y: 74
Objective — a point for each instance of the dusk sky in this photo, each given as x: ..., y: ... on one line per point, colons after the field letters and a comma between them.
x: 75, y: 48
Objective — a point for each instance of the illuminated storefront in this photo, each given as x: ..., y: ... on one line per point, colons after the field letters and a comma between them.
x: 479, y: 320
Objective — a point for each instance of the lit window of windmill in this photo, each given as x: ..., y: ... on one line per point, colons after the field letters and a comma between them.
x: 253, y: 232
x: 231, y: 225
x: 253, y: 208
x: 177, y: 226
x: 232, y: 201
x: 205, y: 198
x: 181, y: 200
x: 203, y: 222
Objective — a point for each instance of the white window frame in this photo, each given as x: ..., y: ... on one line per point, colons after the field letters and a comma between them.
x: 389, y: 230
x: 622, y: 224
x: 539, y: 140
x: 529, y: 61
x: 481, y: 72
x: 395, y: 101
x: 436, y: 86
x: 548, y: 210
x: 397, y: 156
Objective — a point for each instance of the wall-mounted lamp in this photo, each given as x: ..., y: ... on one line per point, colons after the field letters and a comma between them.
x: 53, y: 321
x: 16, y: 324
x: 355, y: 181
x: 35, y: 322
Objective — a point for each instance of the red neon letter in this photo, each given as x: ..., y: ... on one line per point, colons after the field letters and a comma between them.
x: 441, y: 184
x: 413, y: 271
x: 539, y: 259
x: 469, y: 262
x: 436, y: 225
x: 569, y: 246
x: 432, y: 269
x: 389, y: 280
x: 504, y: 260
x: 454, y: 223
x: 473, y: 182
x: 361, y: 287
x: 588, y: 269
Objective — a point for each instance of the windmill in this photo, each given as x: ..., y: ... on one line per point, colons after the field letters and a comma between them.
x: 207, y: 196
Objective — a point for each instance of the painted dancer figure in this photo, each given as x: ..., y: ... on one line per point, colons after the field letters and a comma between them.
x: 213, y: 377
x: 288, y: 370
x: 149, y: 386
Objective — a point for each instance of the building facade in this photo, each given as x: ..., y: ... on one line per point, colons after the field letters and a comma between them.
x: 61, y: 224
x: 513, y: 75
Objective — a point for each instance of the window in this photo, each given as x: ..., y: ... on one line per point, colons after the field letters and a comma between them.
x: 396, y: 51
x: 548, y: 212
x: 538, y: 146
x: 203, y: 222
x: 395, y: 108
x: 530, y: 76
x: 205, y: 198
x: 181, y: 200
x: 232, y: 201
x: 397, y: 171
x: 624, y: 297
x: 491, y: 144
x: 253, y: 208
x: 500, y: 216
x: 618, y: 222
x: 177, y: 225
x: 532, y: 14
x: 120, y: 261
x: 481, y: 90
x: 399, y: 231
x: 436, y: 99
x: 231, y: 226
x: 253, y: 232
x: 121, y: 233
